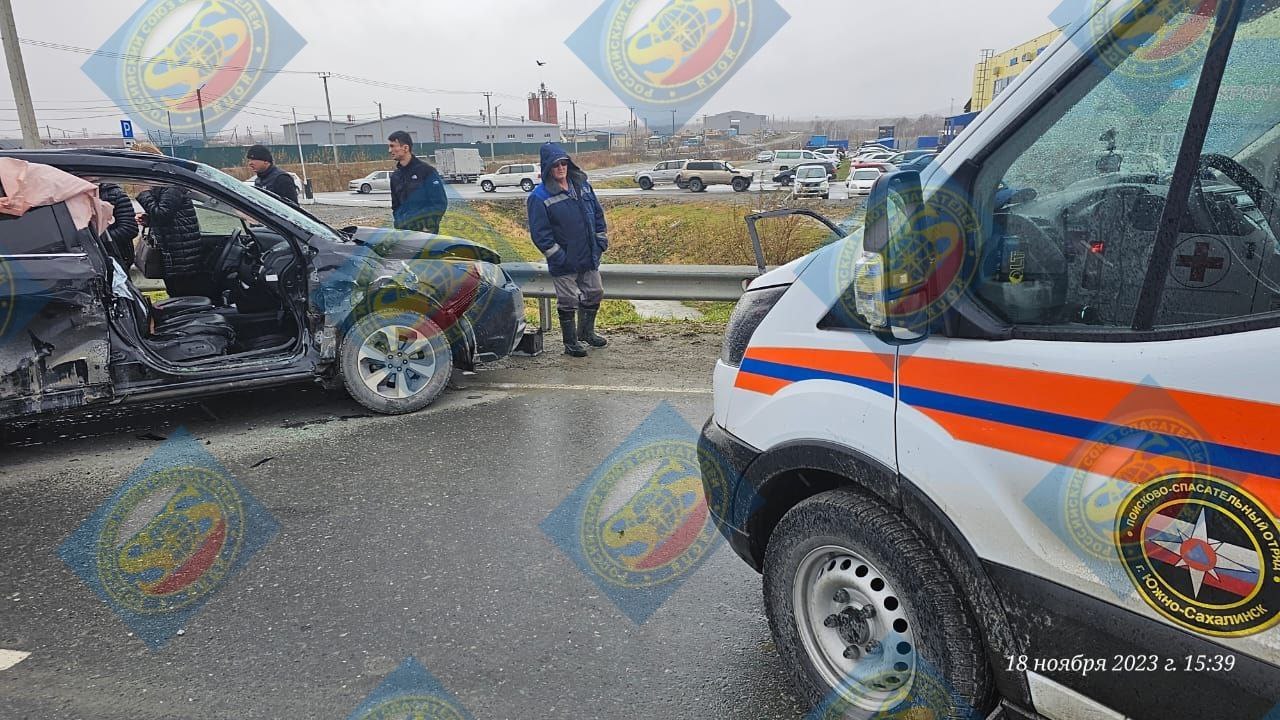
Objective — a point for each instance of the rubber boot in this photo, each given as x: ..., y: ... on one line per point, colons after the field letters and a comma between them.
x: 587, y: 327
x: 570, y: 332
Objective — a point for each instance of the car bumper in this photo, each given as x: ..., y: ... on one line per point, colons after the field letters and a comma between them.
x: 724, y: 460
x: 803, y: 190
x: 497, y: 319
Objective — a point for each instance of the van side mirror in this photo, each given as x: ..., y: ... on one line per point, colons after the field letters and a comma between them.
x: 891, y: 268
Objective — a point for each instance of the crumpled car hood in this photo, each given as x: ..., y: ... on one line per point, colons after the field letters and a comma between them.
x: 409, y: 245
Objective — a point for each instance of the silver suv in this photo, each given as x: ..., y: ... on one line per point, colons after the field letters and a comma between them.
x: 664, y: 172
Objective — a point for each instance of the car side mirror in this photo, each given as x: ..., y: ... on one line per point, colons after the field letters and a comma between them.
x: 891, y: 268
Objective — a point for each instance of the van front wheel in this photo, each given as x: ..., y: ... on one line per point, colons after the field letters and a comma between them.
x: 867, y: 617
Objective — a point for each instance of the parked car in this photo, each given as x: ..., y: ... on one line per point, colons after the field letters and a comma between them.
x: 698, y: 175
x: 786, y: 177
x: 787, y: 159
x: 387, y: 314
x: 862, y: 179
x: 878, y: 155
x: 907, y: 156
x: 764, y: 157
x: 664, y: 172
x: 811, y: 181
x: 526, y: 177
x: 376, y: 180
x: 919, y: 163
x: 830, y: 153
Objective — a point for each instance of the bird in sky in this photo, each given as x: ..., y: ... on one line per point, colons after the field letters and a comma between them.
x: 540, y: 63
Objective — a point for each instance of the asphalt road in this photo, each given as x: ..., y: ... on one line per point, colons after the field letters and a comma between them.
x: 446, y: 536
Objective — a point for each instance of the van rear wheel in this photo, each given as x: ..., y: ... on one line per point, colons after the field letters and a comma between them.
x: 866, y: 615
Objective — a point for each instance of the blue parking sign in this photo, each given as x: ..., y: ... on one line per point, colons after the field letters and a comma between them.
x: 126, y: 129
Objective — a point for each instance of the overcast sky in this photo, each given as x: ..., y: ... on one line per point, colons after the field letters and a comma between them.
x: 834, y: 58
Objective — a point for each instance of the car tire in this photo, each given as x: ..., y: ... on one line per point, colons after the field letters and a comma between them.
x: 842, y: 550
x: 646, y: 183
x: 422, y: 373
x: 487, y: 186
x: 365, y: 189
x: 526, y: 185
x: 740, y: 184
x: 696, y: 185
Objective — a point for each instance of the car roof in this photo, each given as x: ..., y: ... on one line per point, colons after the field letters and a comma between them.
x: 106, y: 159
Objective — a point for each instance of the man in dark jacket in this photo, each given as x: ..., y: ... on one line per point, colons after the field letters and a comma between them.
x: 175, y: 229
x: 269, y: 177
x: 418, y: 200
x: 568, y: 226
x: 124, y: 225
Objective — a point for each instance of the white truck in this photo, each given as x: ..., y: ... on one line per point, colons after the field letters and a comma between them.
x: 459, y: 164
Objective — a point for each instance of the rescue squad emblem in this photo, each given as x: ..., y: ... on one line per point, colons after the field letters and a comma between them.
x: 673, y: 55
x: 152, y: 66
x: 410, y: 692
x: 641, y: 524
x: 1203, y: 553
x: 168, y: 539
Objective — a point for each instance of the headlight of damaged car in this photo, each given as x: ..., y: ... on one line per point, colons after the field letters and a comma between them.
x: 747, y: 316
x: 491, y: 273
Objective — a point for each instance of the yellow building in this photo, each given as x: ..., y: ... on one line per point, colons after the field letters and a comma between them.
x: 994, y: 73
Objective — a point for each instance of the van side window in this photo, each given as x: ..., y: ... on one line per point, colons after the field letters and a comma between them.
x: 34, y: 233
x: 1070, y: 202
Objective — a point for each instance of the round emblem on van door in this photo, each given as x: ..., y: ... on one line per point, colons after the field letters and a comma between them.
x: 683, y: 50
x: 646, y: 521
x: 1132, y: 450
x: 170, y: 540
x: 1203, y: 553
x: 1154, y: 40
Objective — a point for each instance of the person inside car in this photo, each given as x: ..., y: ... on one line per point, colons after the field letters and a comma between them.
x: 124, y: 225
x: 169, y: 214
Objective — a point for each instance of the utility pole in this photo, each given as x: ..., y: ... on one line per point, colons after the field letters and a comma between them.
x: 381, y: 128
x: 497, y: 110
x: 631, y: 131
x: 493, y: 128
x: 18, y: 77
x: 200, y: 101
x: 673, y: 124
x: 298, y: 139
x: 574, y: 103
x: 324, y: 77
x: 169, y: 117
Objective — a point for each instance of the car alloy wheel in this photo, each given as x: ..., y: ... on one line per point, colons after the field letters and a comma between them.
x: 646, y: 183
x: 696, y: 185
x: 395, y: 362
x: 487, y: 186
x: 526, y: 185
x: 365, y: 189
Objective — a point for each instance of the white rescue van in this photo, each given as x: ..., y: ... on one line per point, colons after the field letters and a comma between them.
x: 1012, y: 448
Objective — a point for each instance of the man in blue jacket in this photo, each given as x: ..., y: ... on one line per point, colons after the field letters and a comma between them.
x: 418, y: 200
x: 567, y: 224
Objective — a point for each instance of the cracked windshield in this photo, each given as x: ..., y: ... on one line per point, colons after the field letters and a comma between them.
x: 762, y: 359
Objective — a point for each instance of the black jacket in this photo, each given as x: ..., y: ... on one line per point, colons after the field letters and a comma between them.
x: 418, y: 200
x: 176, y: 229
x: 279, y: 182
x: 124, y: 228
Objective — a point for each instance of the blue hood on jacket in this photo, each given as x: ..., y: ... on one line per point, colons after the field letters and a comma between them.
x: 551, y: 153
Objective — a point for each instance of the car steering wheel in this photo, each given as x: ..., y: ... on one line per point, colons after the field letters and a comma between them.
x: 1251, y: 186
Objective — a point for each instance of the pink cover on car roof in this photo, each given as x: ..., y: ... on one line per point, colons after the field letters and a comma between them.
x: 29, y: 185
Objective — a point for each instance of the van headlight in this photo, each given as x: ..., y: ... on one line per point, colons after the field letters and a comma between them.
x: 747, y: 316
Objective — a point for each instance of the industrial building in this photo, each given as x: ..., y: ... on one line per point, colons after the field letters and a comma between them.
x: 439, y: 129
x: 738, y: 123
x: 994, y: 72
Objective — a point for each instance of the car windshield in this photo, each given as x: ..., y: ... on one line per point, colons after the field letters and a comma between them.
x: 866, y: 174
x: 269, y: 203
x: 812, y: 172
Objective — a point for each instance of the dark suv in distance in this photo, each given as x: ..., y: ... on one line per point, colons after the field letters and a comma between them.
x: 387, y: 314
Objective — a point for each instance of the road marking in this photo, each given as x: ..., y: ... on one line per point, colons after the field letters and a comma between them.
x: 591, y: 388
x: 9, y: 658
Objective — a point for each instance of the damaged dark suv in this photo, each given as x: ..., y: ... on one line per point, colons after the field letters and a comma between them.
x: 387, y: 314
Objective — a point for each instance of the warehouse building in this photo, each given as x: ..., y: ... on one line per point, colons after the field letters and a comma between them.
x: 738, y: 123
x: 995, y: 72
x: 445, y: 129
